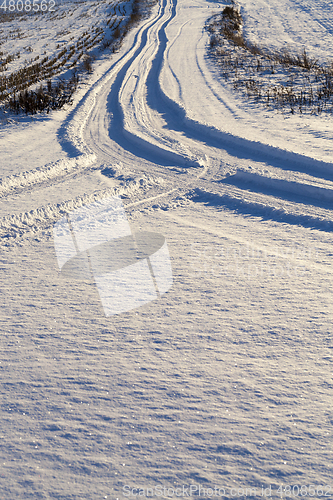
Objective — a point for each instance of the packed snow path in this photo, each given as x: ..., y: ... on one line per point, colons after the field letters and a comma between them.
x: 225, y: 381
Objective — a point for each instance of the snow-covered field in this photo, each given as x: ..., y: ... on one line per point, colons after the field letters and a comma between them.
x: 221, y: 387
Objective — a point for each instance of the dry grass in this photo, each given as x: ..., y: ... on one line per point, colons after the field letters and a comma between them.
x: 280, y: 79
x: 38, y: 86
x: 44, y: 98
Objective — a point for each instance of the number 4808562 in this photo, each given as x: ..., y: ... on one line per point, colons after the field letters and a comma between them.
x: 28, y: 5
x: 303, y: 491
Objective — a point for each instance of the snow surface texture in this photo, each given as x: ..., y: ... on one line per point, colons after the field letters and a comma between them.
x: 226, y: 380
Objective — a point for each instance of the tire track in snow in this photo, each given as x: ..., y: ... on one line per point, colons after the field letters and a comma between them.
x: 289, y: 190
x: 70, y: 134
x: 15, y: 227
x: 177, y: 119
x: 266, y: 207
x: 116, y: 129
x: 81, y: 127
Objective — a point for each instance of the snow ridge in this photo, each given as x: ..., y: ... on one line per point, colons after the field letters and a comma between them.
x: 13, y: 227
x: 45, y: 173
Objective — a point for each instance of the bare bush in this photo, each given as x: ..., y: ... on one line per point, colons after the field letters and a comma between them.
x: 53, y: 96
x: 87, y: 63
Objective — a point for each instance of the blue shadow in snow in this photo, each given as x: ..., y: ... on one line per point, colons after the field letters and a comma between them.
x: 260, y: 210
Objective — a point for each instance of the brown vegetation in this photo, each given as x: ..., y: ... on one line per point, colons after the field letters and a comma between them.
x: 19, y: 90
x: 279, y: 79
